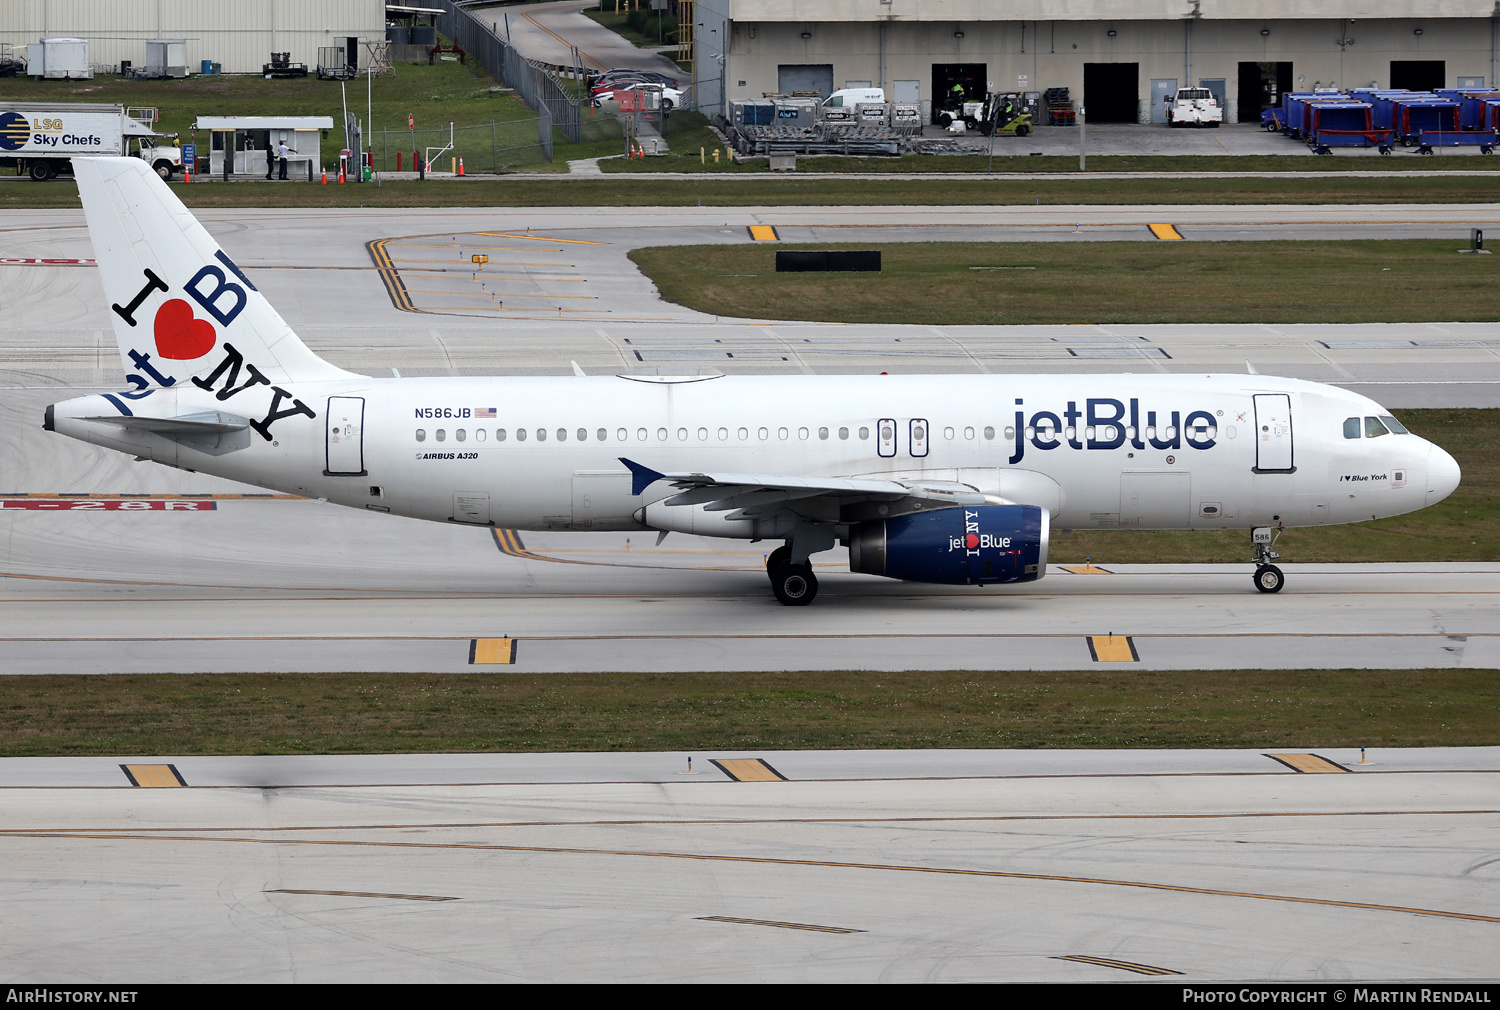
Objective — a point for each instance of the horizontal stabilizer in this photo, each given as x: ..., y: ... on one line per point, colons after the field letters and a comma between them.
x: 213, y: 422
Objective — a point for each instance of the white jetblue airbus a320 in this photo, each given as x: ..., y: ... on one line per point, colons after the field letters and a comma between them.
x: 929, y: 478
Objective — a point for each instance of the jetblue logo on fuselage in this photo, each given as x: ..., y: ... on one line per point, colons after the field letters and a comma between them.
x: 1107, y: 423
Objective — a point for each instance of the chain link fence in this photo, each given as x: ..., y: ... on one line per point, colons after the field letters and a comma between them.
x: 492, y: 147
x: 556, y: 109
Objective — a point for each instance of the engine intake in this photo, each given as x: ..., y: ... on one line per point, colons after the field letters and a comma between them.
x: 973, y: 546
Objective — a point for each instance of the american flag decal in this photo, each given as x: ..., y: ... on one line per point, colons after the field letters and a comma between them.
x: 484, y: 412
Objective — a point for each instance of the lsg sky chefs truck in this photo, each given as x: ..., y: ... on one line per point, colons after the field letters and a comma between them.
x: 40, y: 139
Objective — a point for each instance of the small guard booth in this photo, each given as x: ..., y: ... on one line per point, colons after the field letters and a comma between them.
x: 238, y: 144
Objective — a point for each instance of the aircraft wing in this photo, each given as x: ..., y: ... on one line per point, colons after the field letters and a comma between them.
x: 758, y: 494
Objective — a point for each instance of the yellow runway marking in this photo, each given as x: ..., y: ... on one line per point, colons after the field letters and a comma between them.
x: 390, y: 276
x: 783, y: 925
x: 363, y: 894
x: 748, y: 770
x: 461, y: 249
x: 539, y: 238
x: 491, y: 651
x: 153, y: 776
x: 494, y: 263
x: 1109, y: 962
x: 770, y: 861
x: 1086, y: 570
x: 764, y: 233
x: 1166, y: 232
x: 1309, y: 764
x: 1113, y: 649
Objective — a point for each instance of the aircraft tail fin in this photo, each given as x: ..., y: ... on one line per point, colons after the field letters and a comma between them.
x: 180, y: 306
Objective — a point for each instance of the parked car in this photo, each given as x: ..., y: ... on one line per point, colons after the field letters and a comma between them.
x: 671, y: 98
x: 598, y: 81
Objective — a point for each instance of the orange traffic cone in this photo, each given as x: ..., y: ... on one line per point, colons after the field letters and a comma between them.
x: 460, y: 166
x: 341, y: 173
x: 187, y: 171
x: 325, y: 175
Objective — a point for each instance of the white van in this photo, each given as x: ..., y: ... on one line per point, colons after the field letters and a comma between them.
x: 842, y: 104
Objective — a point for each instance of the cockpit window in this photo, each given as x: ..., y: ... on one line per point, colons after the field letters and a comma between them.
x: 1351, y: 427
x: 1396, y: 427
x: 1373, y: 428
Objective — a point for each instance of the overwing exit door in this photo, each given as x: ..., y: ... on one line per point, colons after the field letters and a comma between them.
x: 1273, y: 433
x: 345, y: 423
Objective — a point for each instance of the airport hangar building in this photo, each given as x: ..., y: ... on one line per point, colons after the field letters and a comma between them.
x: 240, y: 36
x: 1115, y: 57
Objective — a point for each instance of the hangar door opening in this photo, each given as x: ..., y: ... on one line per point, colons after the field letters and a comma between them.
x: 1419, y: 75
x: 947, y: 78
x: 805, y: 78
x: 1261, y: 86
x: 1111, y: 92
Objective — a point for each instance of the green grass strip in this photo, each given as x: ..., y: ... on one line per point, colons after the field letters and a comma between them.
x: 348, y: 713
x: 1104, y: 282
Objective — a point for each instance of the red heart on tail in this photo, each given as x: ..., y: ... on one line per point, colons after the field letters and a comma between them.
x: 179, y: 335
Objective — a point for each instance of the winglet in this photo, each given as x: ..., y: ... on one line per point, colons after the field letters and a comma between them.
x: 641, y: 477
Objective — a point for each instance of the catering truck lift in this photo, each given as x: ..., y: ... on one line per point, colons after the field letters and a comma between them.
x: 41, y: 139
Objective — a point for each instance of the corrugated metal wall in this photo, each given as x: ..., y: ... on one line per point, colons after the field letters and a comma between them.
x: 240, y: 35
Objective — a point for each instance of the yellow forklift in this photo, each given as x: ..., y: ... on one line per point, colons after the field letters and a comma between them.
x: 1004, y: 115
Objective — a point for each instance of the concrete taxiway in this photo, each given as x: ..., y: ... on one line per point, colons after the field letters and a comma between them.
x: 173, y: 582
x: 794, y: 866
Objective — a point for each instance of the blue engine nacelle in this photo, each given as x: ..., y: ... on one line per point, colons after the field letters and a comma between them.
x: 971, y: 546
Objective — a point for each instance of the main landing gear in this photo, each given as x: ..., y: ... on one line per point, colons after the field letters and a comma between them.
x: 789, y: 566
x: 794, y: 585
x: 1268, y: 578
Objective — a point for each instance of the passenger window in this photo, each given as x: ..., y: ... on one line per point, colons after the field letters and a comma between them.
x: 1395, y: 426
x: 520, y: 434
x: 762, y: 434
x: 682, y: 434
x: 802, y: 433
x: 1373, y: 428
x: 703, y: 434
x: 640, y: 434
x: 1351, y: 427
x: 583, y: 434
x: 661, y: 434
x: 562, y: 434
x: 723, y: 434
x: 948, y: 433
x: 1010, y: 432
x: 541, y: 434
x: 603, y: 434
x: 864, y: 433
x: 782, y: 433
x: 479, y: 434
x: 969, y: 433
x: 499, y: 434
x: 421, y: 434
x: 744, y: 433
x: 823, y: 433
x: 844, y: 434
x: 460, y: 435
x: 441, y: 435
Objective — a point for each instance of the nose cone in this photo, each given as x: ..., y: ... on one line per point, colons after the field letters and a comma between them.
x: 1442, y: 475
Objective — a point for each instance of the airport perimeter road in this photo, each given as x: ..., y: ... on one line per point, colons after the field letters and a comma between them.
x: 812, y: 867
x: 549, y: 32
x: 376, y: 291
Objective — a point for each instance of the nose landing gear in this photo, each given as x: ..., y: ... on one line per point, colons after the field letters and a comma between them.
x: 1268, y: 578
